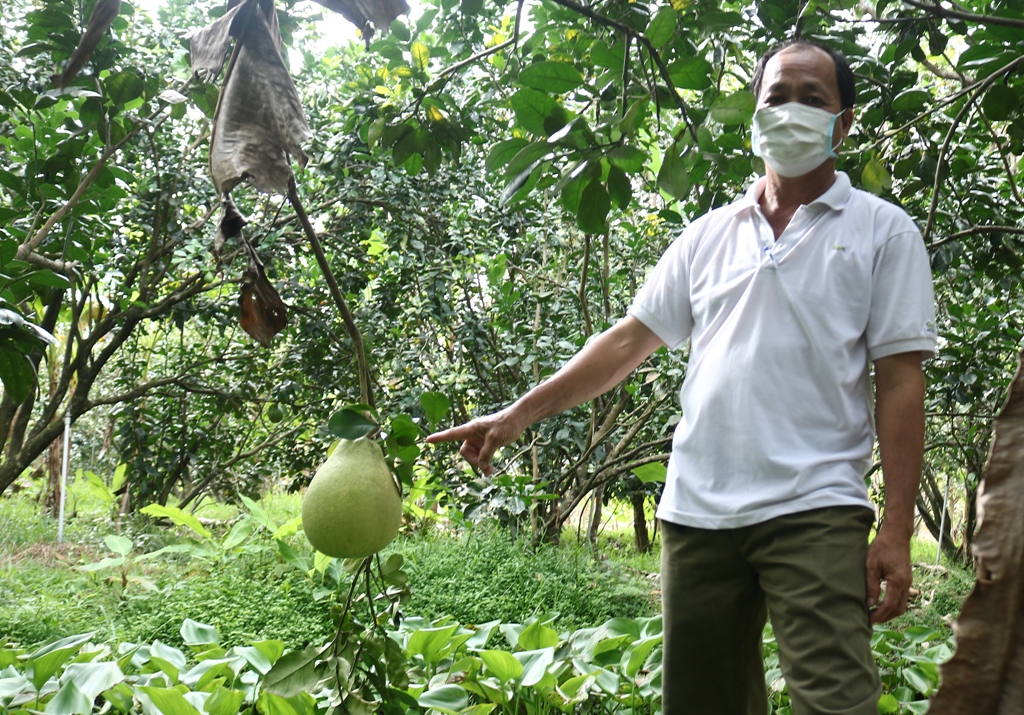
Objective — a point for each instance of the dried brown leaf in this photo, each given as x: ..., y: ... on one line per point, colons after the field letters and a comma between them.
x: 261, y: 312
x: 378, y: 13
x: 986, y: 675
x: 99, y: 22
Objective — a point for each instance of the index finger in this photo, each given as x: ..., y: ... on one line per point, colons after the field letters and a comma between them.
x: 453, y: 434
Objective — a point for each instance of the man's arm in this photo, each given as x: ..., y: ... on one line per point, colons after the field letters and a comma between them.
x: 601, y: 365
x: 899, y: 412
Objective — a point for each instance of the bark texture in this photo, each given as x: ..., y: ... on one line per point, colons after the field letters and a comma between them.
x: 986, y: 675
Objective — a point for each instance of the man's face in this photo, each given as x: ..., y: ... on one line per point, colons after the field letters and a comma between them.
x: 806, y: 75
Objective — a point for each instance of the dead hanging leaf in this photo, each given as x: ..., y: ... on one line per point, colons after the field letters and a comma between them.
x: 230, y: 225
x: 259, y: 123
x: 99, y: 22
x: 986, y: 675
x: 262, y: 313
x: 368, y: 15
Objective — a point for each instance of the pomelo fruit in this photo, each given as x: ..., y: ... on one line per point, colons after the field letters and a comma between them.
x: 352, y: 507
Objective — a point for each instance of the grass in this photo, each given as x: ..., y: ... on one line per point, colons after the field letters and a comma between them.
x: 475, y: 575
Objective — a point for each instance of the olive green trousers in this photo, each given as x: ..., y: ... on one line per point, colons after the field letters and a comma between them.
x: 807, y: 571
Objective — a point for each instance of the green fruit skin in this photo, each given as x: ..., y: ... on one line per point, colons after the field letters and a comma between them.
x: 352, y: 508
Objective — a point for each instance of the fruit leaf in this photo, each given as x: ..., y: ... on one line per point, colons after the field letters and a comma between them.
x: 350, y: 424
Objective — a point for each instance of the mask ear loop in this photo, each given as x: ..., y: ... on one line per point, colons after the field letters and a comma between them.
x: 831, y: 132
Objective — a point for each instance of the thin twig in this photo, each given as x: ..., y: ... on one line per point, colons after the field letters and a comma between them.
x: 939, y: 11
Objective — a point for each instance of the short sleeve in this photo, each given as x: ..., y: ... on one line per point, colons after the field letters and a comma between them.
x: 663, y: 302
x: 902, y: 317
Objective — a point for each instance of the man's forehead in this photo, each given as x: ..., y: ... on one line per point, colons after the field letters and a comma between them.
x: 806, y: 66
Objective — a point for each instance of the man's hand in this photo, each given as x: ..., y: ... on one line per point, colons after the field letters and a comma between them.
x: 888, y: 562
x: 482, y: 437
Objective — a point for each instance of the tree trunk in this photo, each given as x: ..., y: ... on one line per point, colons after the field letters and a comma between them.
x: 986, y: 675
x: 641, y: 539
x: 595, y: 516
x: 54, y: 464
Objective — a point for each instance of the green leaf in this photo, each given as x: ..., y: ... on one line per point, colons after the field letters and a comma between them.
x: 532, y: 109
x: 420, y: 55
x: 888, y: 705
x: 610, y: 57
x: 691, y: 73
x: 628, y: 158
x: 620, y: 189
x: 674, y: 177
x: 662, y: 26
x: 46, y: 660
x: 1000, y: 103
x: 179, y: 517
x: 167, y: 700
x: 120, y: 545
x: 635, y: 116
x: 436, y: 405
x: 911, y: 100
x: 446, y: 698
x: 17, y: 374
x: 639, y: 653
x: 537, y: 635
x: 123, y: 87
x: 527, y: 158
x: 502, y: 664
x: 271, y: 704
x: 224, y: 702
x: 535, y: 665
x: 293, y: 673
x: 593, y: 211
x: 349, y: 424
x: 121, y: 697
x: 69, y: 700
x: 874, y: 177
x: 91, y: 679
x: 429, y: 642
x: 502, y: 152
x: 550, y: 76
x: 194, y: 633
x: 736, y: 108
x: 650, y: 472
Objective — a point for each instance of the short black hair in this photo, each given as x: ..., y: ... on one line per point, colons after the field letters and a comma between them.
x: 844, y: 75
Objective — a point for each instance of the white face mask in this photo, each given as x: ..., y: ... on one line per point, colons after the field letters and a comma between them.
x: 793, y: 138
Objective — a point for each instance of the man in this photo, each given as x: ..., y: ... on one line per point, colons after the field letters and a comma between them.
x: 785, y: 296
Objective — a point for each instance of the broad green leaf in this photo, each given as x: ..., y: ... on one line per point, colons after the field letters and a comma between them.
x: 620, y: 188
x: 194, y: 633
x: 638, y: 654
x: 430, y: 642
x: 167, y: 700
x: 420, y: 55
x: 550, y: 76
x: 123, y: 87
x: 532, y: 108
x: 502, y: 152
x: 736, y: 108
x: 117, y: 481
x: 271, y: 650
x: 888, y: 705
x: 206, y: 671
x: 1000, y: 103
x: 120, y: 545
x: 91, y: 679
x: 609, y: 57
x: 272, y: 704
x: 446, y: 698
x: 691, y: 73
x: 121, y: 697
x: 349, y: 424
x: 628, y: 158
x: 481, y: 709
x: 224, y: 702
x: 634, y: 116
x: 293, y: 673
x: 46, y: 660
x: 289, y: 528
x: 238, y: 534
x: 911, y: 100
x: 537, y: 635
x: 179, y: 517
x: 874, y: 177
x: 593, y: 211
x: 662, y: 26
x: 69, y: 700
x: 502, y: 664
x: 17, y: 374
x: 674, y: 177
x: 527, y: 157
x: 650, y: 472
x: 535, y: 665
x: 436, y: 406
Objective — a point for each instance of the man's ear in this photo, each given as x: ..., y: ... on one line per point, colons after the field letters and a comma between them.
x: 846, y: 121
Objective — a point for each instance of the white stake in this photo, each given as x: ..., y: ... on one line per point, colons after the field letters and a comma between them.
x: 64, y: 475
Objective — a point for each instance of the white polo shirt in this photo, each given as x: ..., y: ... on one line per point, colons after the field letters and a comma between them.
x: 777, y: 414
